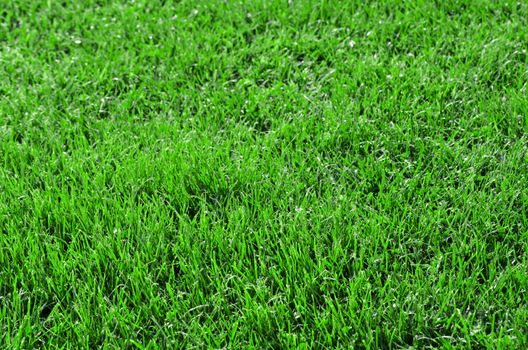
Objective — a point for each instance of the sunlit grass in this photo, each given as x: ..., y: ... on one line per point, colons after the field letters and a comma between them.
x: 266, y: 174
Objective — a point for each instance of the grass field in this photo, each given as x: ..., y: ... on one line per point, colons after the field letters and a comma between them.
x: 263, y: 174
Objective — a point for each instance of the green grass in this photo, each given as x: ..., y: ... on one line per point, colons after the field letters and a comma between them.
x: 263, y: 174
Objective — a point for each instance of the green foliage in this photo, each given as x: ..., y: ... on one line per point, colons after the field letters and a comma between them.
x: 263, y: 174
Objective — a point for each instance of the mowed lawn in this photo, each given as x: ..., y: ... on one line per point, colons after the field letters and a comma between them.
x: 263, y: 174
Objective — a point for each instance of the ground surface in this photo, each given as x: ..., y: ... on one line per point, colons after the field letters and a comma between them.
x: 263, y: 173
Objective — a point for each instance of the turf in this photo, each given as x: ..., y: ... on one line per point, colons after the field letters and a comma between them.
x: 263, y: 174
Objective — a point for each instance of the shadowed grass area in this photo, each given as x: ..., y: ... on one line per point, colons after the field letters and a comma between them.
x: 266, y: 174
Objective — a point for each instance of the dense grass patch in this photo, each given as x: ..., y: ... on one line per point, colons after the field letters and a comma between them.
x: 269, y: 174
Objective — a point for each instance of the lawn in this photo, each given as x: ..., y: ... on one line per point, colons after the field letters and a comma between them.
x: 263, y: 174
